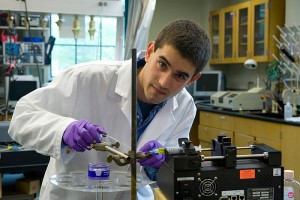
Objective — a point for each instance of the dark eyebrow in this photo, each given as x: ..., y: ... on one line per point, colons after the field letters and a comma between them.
x: 164, y: 58
x: 179, y: 72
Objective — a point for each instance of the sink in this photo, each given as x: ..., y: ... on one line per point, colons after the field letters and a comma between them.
x: 268, y: 115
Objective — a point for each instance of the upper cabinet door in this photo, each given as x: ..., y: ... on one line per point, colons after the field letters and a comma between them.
x: 215, y: 33
x: 228, y: 27
x: 243, y: 31
x: 260, y: 35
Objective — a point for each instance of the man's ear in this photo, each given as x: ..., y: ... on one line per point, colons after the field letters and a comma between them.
x: 149, y: 50
x: 194, y: 78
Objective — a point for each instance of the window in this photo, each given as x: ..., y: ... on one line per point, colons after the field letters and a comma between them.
x: 106, y: 45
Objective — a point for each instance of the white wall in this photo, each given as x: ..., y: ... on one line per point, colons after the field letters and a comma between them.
x: 292, y: 12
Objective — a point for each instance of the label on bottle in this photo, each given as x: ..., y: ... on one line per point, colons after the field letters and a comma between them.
x: 288, y: 193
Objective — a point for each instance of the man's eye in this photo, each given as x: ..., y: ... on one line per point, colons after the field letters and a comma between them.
x: 181, y: 77
x: 162, y: 64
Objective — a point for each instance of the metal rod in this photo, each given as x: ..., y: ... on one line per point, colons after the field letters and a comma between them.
x: 238, y: 148
x: 114, y: 151
x: 209, y: 158
x: 133, y: 123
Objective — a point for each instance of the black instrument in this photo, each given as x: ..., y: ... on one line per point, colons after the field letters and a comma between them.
x: 224, y: 175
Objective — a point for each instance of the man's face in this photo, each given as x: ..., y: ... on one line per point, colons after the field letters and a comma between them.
x: 165, y: 73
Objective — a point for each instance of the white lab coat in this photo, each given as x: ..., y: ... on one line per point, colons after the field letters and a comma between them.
x: 101, y: 93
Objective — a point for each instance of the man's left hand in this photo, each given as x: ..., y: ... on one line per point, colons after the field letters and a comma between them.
x: 156, y: 160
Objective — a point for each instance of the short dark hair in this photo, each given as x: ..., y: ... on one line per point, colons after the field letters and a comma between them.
x: 190, y: 39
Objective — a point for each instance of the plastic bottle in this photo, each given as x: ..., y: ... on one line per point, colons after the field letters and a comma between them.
x: 291, y: 186
x: 288, y: 109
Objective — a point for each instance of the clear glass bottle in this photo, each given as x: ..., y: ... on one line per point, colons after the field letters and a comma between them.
x: 291, y: 186
x: 288, y: 109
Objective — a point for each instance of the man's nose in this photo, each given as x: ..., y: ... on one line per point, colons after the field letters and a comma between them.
x: 165, y: 80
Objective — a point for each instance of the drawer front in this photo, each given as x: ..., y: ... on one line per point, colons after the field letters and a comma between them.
x: 275, y: 144
x: 215, y: 120
x: 208, y: 133
x: 207, y: 119
x: 257, y: 128
x: 243, y: 125
x: 241, y: 140
x: 267, y: 130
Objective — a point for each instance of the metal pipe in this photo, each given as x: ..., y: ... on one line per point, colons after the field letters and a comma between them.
x: 210, y: 158
x: 238, y: 148
x: 116, y: 152
x: 133, y: 123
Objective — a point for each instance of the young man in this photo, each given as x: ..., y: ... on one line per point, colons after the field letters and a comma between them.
x: 96, y: 97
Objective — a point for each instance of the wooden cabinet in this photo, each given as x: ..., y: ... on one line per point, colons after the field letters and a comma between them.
x: 243, y: 140
x: 220, y: 121
x: 245, y: 31
x: 228, y: 46
x: 266, y: 15
x: 243, y: 131
x: 258, y: 131
x: 246, y: 131
x: 290, y: 148
x: 211, y: 125
x: 222, y: 33
x: 215, y: 34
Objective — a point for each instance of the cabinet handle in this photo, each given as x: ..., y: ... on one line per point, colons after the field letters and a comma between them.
x: 222, y: 117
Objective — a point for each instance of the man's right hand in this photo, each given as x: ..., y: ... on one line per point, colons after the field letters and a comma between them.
x: 79, y: 135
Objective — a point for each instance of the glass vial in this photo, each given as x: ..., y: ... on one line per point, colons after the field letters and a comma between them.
x: 287, y: 110
x: 98, y: 171
x: 291, y: 186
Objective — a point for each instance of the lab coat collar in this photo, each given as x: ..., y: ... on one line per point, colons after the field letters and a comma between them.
x: 124, y: 77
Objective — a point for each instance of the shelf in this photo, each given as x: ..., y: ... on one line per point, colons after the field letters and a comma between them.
x: 23, y: 28
x: 260, y: 21
x: 260, y: 42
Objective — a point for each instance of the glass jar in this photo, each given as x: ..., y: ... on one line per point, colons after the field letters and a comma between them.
x: 98, y: 171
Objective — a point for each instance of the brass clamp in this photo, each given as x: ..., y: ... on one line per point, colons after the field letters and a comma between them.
x: 119, y: 157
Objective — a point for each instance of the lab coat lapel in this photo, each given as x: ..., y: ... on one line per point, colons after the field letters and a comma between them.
x: 123, y: 88
x: 162, y: 121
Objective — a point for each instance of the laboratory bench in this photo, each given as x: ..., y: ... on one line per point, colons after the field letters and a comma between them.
x: 246, y: 128
x: 14, y: 159
x: 26, y: 161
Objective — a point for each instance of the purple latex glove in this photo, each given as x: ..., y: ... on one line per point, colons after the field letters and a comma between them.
x: 156, y: 160
x: 79, y: 135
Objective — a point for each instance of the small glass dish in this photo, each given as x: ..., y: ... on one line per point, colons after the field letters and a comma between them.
x: 64, y: 179
x: 79, y: 179
x: 98, y: 171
